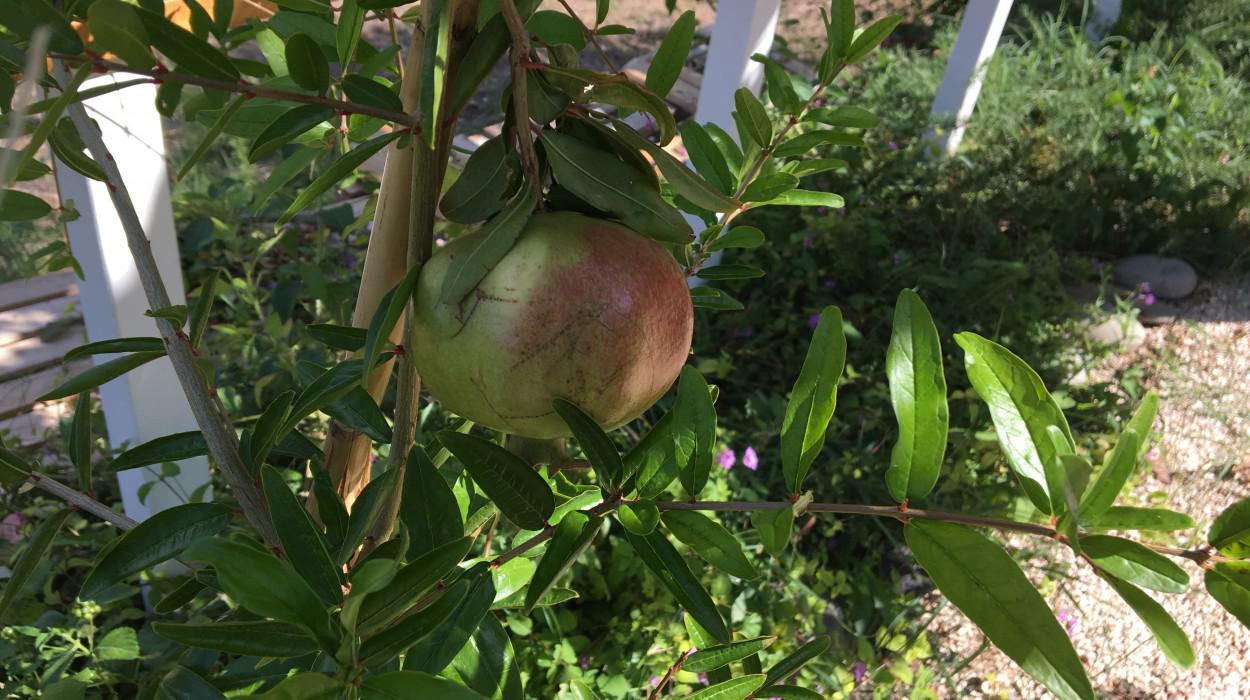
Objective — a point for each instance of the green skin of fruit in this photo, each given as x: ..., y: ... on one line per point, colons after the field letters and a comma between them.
x: 579, y: 309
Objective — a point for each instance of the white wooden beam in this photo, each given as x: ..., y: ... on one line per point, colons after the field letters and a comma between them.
x: 146, y: 403
x: 979, y: 32
x: 742, y: 29
x: 1102, y: 17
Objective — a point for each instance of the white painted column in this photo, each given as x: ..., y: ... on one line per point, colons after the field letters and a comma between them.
x: 979, y: 32
x: 147, y: 402
x: 1102, y: 17
x: 742, y: 29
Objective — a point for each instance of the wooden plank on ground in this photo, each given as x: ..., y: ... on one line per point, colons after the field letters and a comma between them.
x: 24, y: 292
x: 32, y: 428
x: 25, y: 321
x: 18, y: 395
x: 33, y: 354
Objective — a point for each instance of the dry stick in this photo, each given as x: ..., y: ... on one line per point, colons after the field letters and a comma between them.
x: 210, y: 415
x: 247, y: 88
x: 668, y: 675
x: 590, y: 36
x: 81, y: 501
x: 517, y: 57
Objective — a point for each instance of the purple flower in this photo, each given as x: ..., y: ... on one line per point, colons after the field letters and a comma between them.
x: 1148, y: 300
x: 750, y: 460
x: 1067, y: 618
x: 841, y: 211
x: 822, y: 210
x: 11, y: 528
x: 583, y: 662
x: 893, y: 145
x: 809, y: 242
x: 348, y: 259
x: 813, y: 320
x: 859, y: 670
x: 726, y: 458
x: 703, y: 678
x: 655, y: 680
x: 828, y: 284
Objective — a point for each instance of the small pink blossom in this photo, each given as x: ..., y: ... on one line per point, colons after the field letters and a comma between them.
x: 703, y: 678
x: 655, y: 680
x: 1068, y: 619
x: 10, y: 528
x: 813, y: 320
x: 1153, y: 455
x: 750, y: 460
x: 726, y: 458
x: 859, y: 671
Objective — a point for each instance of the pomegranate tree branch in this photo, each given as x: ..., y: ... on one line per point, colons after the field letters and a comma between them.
x: 518, y: 57
x: 210, y: 415
x: 590, y: 37
x: 81, y: 501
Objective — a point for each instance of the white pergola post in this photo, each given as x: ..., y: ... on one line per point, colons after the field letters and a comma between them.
x: 147, y: 402
x: 742, y: 29
x: 979, y: 32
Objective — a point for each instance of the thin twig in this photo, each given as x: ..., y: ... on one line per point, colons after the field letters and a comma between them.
x: 81, y: 501
x: 210, y: 415
x: 668, y: 675
x: 246, y: 88
x: 518, y: 57
x: 590, y: 36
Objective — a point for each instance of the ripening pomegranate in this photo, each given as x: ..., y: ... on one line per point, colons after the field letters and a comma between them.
x: 580, y: 309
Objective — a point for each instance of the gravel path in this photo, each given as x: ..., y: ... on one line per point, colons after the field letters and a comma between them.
x: 1198, y: 365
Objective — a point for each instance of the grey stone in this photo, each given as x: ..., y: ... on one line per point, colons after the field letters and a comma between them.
x: 1123, y: 333
x: 1169, y: 278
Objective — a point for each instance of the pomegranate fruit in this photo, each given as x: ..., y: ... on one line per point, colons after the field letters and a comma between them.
x: 579, y: 309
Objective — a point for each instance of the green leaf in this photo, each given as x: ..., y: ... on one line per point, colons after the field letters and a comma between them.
x: 264, y: 638
x: 608, y: 184
x: 639, y: 517
x: 120, y: 644
x: 871, y: 37
x: 14, y: 469
x: 985, y: 584
x: 715, y: 299
x: 715, y: 657
x: 805, y: 198
x: 711, y: 541
x: 336, y: 172
x: 37, y: 547
x: 1230, y: 533
x: 813, y: 399
x: 188, y: 51
x: 1132, y: 518
x: 487, y: 664
x: 181, y: 684
x: 174, y: 313
x: 769, y: 187
x: 683, y: 181
x: 16, y: 205
x: 303, y: 542
x: 803, y: 168
x: 168, y: 448
x: 483, y: 185
x: 285, y: 128
x: 1168, y: 635
x: 588, y: 87
x: 789, y: 692
x: 801, y: 144
x: 283, y: 173
x: 781, y: 90
x: 670, y: 58
x: 733, y: 689
x: 428, y: 508
x: 180, y: 596
x: 1134, y: 562
x: 918, y: 394
x: 484, y: 248
x: 261, y: 583
x: 332, y: 385
x: 365, y: 512
x: 346, y: 338
x: 553, y: 27
x: 99, y: 374
x: 411, y: 583
x: 751, y: 118
x: 80, y: 441
x: 23, y: 18
x: 707, y: 158
x: 663, y: 560
x: 1227, y: 582
x: 520, y: 492
x: 46, y: 126
x: 414, y: 685
x: 1120, y: 464
x: 738, y: 237
x: 694, y: 430
x: 307, y: 65
x: 849, y: 117
x: 116, y: 27
x: 269, y: 428
x: 653, y: 461
x: 1142, y: 421
x: 347, y: 35
x: 68, y: 147
x: 310, y: 685
x: 774, y: 527
x: 367, y: 91
x: 604, y: 458
x: 390, y: 308
x: 436, y: 650
x: 160, y: 537
x: 730, y: 272
x: 573, y: 535
x: 791, y: 664
x: 841, y: 30
x: 1021, y: 408
x: 203, y: 309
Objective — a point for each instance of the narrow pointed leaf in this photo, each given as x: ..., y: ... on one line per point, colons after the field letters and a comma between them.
x: 791, y: 664
x: 871, y: 37
x: 813, y: 399
x: 1119, y: 466
x: 775, y: 528
x: 573, y: 535
x: 639, y: 517
x: 752, y: 118
x: 1229, y: 584
x: 1135, y: 563
x: 428, y: 508
x: 483, y: 249
x: 411, y: 583
x: 1230, y: 533
x: 1168, y: 635
x: 1143, y: 420
x: 202, y: 310
x: 486, y: 665
x: 307, y: 65
x: 712, y: 658
x: 663, y: 560
x: 730, y: 272
x: 99, y: 374
x: 168, y: 448
x: 390, y: 308
x: 670, y: 58
x: 415, y: 685
x: 789, y: 692
x: 519, y: 492
x: 738, y: 237
x: 365, y: 512
x: 694, y: 430
x: 1133, y: 518
x: 219, y: 125
x: 162, y: 536
x: 801, y: 144
x: 707, y: 157
x: 264, y: 638
x: 332, y: 385
x: 482, y: 188
x: 918, y: 394
x: 285, y: 128
x: 191, y: 53
x: 336, y: 172
x: 604, y: 458
x: 303, y: 543
x: 436, y: 650
x: 346, y: 338
x: 738, y: 688
x: 68, y: 147
x: 711, y: 541
x: 683, y: 180
x: 36, y: 549
x: 985, y: 584
x: 781, y: 90
x: 848, y: 116
x: 80, y: 441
